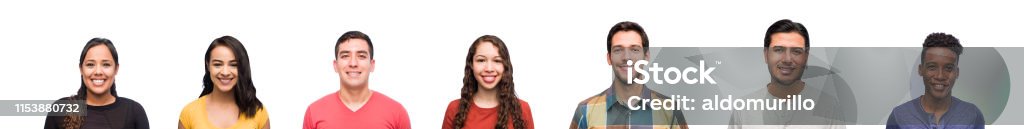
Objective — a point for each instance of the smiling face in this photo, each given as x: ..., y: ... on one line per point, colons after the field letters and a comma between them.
x: 626, y: 46
x: 939, y: 71
x: 786, y: 57
x: 354, y: 64
x: 98, y: 70
x: 223, y: 68
x: 488, y: 66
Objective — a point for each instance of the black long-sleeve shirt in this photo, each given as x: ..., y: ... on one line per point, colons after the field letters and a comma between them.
x: 124, y: 113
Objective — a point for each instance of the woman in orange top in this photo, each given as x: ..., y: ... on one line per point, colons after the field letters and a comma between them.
x: 488, y: 95
x: 228, y: 99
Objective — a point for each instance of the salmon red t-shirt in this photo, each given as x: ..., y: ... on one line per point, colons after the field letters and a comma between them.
x: 483, y: 118
x: 379, y: 112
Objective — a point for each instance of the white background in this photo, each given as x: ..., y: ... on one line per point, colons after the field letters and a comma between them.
x: 557, y: 47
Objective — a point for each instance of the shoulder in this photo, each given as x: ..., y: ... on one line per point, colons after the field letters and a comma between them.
x: 454, y: 104
x: 129, y: 102
x: 967, y: 107
x: 385, y: 100
x: 326, y: 100
x: 194, y: 105
x: 598, y: 98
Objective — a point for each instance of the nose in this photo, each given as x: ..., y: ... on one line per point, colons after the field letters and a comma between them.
x: 941, y: 76
x: 352, y: 63
x: 223, y: 72
x: 490, y: 67
x: 97, y: 72
x: 786, y: 58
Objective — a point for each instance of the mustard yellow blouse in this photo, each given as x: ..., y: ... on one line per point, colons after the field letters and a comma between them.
x: 194, y: 117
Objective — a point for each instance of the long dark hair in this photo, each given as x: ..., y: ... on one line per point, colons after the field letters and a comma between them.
x: 244, y: 91
x: 74, y: 120
x: 509, y: 107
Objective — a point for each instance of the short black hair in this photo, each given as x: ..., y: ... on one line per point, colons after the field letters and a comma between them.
x: 627, y: 26
x: 942, y: 40
x: 353, y: 35
x: 784, y: 26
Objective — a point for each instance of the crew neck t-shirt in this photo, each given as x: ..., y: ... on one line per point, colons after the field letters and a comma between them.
x: 484, y: 118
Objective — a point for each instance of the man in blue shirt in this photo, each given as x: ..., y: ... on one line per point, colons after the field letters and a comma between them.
x: 937, y: 108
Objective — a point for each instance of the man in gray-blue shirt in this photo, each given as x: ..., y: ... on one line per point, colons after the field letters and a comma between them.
x: 937, y: 108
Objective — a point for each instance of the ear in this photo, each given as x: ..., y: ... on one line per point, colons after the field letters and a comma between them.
x: 765, y: 54
x: 116, y: 68
x: 335, y: 64
x: 920, y: 70
x: 647, y: 55
x: 608, y: 58
x: 372, y: 64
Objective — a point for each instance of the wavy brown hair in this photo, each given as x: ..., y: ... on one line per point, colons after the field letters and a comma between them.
x: 508, y: 108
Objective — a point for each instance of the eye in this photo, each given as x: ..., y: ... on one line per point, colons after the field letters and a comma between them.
x: 777, y: 49
x: 479, y: 60
x: 106, y: 65
x: 89, y: 65
x: 234, y: 64
x: 798, y: 51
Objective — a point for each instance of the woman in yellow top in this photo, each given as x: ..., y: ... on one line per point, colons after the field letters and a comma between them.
x: 228, y: 100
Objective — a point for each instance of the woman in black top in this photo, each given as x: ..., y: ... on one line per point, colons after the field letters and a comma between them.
x: 104, y: 109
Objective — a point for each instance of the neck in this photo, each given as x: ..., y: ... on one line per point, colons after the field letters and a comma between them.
x: 354, y: 95
x: 99, y: 99
x: 623, y: 91
x: 220, y: 98
x: 780, y: 90
x: 485, y: 98
x: 935, y: 105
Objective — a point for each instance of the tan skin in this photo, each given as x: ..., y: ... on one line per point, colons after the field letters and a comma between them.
x: 939, y: 72
x: 488, y: 70
x: 220, y: 105
x: 98, y: 70
x: 786, y: 57
x: 353, y: 65
x: 626, y: 46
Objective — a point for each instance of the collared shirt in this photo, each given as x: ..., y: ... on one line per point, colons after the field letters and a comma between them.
x: 960, y: 115
x: 604, y: 111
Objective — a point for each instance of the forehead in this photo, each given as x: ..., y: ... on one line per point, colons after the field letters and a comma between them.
x: 99, y: 51
x: 354, y: 45
x: 932, y: 54
x: 627, y: 39
x: 486, y: 48
x: 787, y: 39
x: 221, y: 51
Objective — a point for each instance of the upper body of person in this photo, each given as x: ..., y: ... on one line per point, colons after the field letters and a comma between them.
x: 626, y: 42
x: 355, y: 106
x: 937, y: 108
x: 228, y: 99
x: 786, y: 49
x: 104, y: 109
x: 488, y: 95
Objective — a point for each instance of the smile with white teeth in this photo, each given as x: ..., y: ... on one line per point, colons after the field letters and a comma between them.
x: 225, y: 81
x: 353, y: 74
x: 98, y: 81
x: 785, y: 70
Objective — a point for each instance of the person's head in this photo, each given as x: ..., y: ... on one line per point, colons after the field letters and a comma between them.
x: 786, y: 47
x: 939, y: 66
x: 228, y: 71
x: 489, y: 67
x: 353, y: 59
x: 627, y: 41
x: 98, y: 64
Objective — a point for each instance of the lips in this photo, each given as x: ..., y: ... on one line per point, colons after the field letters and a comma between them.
x: 623, y: 67
x: 786, y: 70
x: 939, y: 87
x: 98, y: 82
x: 353, y: 73
x: 489, y: 78
x: 225, y: 81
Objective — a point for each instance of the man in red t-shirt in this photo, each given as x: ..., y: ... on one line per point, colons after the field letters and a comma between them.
x: 355, y: 106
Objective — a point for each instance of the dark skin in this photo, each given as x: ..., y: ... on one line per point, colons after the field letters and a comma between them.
x: 939, y: 70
